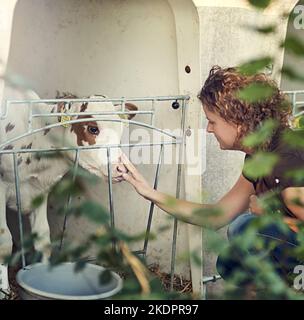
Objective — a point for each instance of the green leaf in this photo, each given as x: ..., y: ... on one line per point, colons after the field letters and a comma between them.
x: 66, y: 187
x: 37, y: 201
x: 297, y: 175
x: 260, y: 4
x: 93, y: 211
x: 255, y: 92
x: 207, y: 212
x: 103, y: 240
x: 294, y: 139
x: 292, y: 74
x: 214, y: 241
x: 131, y: 238
x: 79, y: 251
x: 267, y: 29
x: 48, y: 155
x: 264, y: 30
x: 82, y: 174
x: 105, y: 277
x: 196, y: 258
x: 298, y: 122
x: 254, y: 66
x: 79, y: 265
x: 261, y: 135
x: 260, y: 164
x: 294, y: 45
x: 13, y: 259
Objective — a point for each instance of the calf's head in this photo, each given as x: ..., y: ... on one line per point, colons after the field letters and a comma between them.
x: 94, y: 131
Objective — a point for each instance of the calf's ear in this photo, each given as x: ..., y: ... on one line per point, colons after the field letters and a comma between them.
x: 131, y: 107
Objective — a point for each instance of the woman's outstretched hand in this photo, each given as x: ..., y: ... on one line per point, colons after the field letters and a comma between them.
x: 136, y: 179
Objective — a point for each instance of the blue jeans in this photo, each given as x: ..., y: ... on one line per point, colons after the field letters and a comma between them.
x: 279, y: 255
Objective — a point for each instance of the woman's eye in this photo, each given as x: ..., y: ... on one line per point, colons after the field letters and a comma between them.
x: 93, y: 130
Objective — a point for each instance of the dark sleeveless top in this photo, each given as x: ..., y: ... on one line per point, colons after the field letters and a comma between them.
x: 289, y: 159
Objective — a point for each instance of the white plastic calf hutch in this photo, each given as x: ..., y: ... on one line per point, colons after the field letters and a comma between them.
x: 146, y: 49
x: 136, y: 48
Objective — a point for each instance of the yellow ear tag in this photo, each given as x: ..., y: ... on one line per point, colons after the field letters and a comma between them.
x: 124, y: 117
x: 64, y: 119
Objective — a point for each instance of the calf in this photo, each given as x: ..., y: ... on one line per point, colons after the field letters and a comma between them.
x: 38, y: 175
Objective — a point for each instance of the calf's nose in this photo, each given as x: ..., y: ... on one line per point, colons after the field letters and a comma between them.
x: 120, y: 168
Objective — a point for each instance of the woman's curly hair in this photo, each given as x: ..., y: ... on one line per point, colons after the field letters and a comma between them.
x: 220, y: 95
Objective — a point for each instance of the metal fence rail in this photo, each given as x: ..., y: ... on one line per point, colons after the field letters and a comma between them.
x: 296, y: 97
x: 297, y: 100
x: 175, y: 140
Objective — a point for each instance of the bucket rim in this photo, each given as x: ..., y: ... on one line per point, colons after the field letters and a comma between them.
x: 59, y: 296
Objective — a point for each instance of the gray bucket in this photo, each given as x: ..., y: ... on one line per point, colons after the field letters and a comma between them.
x: 41, y: 282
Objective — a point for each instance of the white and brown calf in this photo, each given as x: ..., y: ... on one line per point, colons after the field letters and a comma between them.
x: 38, y: 175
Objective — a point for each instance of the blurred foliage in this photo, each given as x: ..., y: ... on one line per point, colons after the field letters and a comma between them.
x: 261, y: 135
x: 254, y: 66
x: 112, y: 246
x: 263, y: 30
x: 292, y: 74
x: 294, y: 139
x: 298, y: 122
x: 294, y: 45
x: 260, y: 164
x: 255, y: 92
x: 261, y: 4
x: 256, y: 270
x: 297, y: 175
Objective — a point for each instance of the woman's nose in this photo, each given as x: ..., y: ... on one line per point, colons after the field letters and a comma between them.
x: 209, y: 129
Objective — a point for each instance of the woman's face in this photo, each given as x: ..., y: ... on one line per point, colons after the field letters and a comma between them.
x: 225, y: 133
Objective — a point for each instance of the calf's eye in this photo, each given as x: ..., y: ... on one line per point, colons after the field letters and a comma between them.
x: 93, y: 130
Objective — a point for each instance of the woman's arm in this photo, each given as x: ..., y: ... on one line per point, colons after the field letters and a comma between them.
x: 216, y: 215
x: 294, y: 200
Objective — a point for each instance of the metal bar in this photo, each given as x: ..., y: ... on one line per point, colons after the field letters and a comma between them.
x: 293, y: 104
x: 299, y: 114
x: 133, y: 145
x: 123, y: 106
x: 158, y: 98
x: 139, y: 252
x: 101, y: 113
x: 294, y: 91
x: 30, y: 119
x: 153, y: 113
x: 211, y: 279
x: 5, y: 111
x: 112, y: 220
x: 87, y: 120
x: 151, y: 209
x: 18, y: 200
x: 179, y: 140
x: 75, y: 168
x: 178, y: 186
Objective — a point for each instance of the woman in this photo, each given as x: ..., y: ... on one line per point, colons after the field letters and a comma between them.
x: 230, y: 119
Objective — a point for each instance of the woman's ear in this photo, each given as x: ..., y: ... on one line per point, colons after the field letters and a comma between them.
x: 239, y: 136
x: 239, y: 130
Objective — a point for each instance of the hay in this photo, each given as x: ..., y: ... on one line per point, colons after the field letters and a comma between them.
x: 180, y: 284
